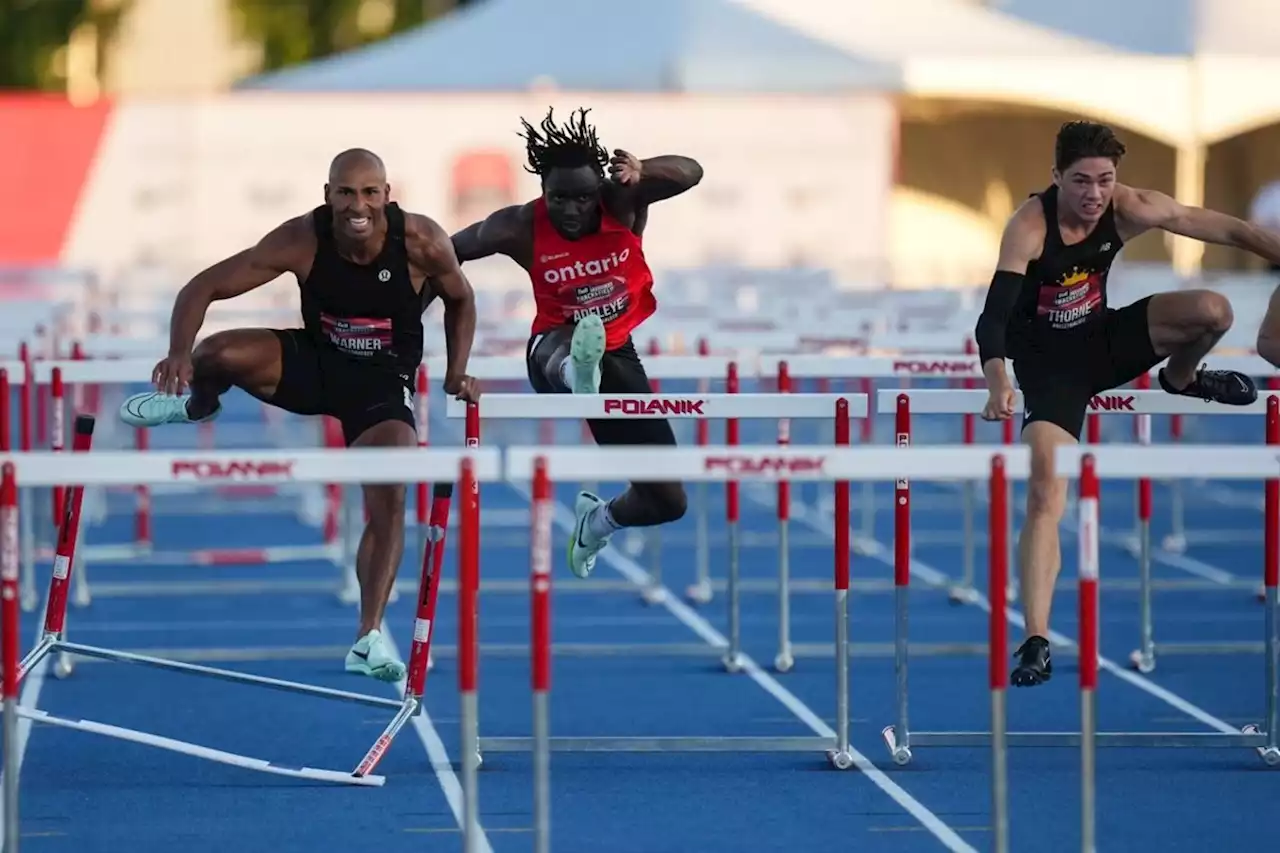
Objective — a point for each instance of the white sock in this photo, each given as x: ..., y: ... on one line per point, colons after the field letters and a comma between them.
x: 567, y: 373
x: 600, y: 522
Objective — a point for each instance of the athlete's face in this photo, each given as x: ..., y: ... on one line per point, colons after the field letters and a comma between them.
x: 357, y: 191
x: 573, y: 199
x: 1086, y: 187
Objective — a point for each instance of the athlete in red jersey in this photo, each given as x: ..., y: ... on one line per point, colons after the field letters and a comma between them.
x: 581, y: 244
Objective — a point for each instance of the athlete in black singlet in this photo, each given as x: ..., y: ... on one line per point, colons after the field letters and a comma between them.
x: 366, y: 271
x: 1047, y: 311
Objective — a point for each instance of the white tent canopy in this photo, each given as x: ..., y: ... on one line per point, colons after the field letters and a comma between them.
x: 1229, y: 50
x: 970, y: 52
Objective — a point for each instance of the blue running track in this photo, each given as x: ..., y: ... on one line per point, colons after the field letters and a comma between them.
x: 83, y: 793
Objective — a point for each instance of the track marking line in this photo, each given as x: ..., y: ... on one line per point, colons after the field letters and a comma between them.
x: 628, y: 568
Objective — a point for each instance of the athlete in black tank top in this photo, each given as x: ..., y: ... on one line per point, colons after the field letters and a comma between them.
x: 1047, y: 310
x: 366, y: 271
x: 370, y: 312
x: 1064, y: 294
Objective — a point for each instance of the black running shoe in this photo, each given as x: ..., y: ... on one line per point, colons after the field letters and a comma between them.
x: 1216, y: 386
x: 1035, y: 666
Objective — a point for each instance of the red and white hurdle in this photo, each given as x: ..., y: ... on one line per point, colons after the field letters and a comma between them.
x: 121, y: 468
x: 730, y: 408
x: 900, y: 738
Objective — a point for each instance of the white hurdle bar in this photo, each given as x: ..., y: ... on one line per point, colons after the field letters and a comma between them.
x: 65, y: 380
x: 729, y: 407
x: 899, y: 737
x: 49, y: 469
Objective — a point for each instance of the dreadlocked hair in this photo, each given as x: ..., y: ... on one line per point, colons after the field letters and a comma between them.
x: 569, y: 147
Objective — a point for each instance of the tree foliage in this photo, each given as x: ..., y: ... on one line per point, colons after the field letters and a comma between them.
x: 295, y: 31
x: 33, y: 31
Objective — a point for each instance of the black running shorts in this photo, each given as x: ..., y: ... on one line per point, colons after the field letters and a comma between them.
x: 620, y: 373
x: 1058, y: 383
x: 316, y: 380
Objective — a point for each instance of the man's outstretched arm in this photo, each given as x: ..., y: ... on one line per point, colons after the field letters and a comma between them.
x: 1148, y: 209
x: 655, y: 179
x: 274, y: 255
x: 496, y: 234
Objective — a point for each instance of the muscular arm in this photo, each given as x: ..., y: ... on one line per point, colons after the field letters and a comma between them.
x: 666, y: 176
x: 431, y: 251
x: 1022, y: 242
x: 274, y: 255
x: 497, y: 234
x: 1145, y: 209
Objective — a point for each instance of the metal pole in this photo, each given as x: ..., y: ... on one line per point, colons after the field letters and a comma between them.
x: 10, y: 610
x: 1088, y: 593
x: 1270, y: 580
x: 901, y: 580
x: 540, y: 644
x: 843, y: 756
x: 733, y: 659
x: 998, y: 676
x: 784, y: 660
x: 468, y: 648
x: 700, y: 592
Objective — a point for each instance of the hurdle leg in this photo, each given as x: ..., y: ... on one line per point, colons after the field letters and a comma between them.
x: 349, y: 593
x: 733, y: 657
x: 1176, y: 540
x: 1271, y: 578
x: 10, y: 607
x: 1271, y: 752
x: 653, y: 592
x: 842, y: 757
x: 1144, y: 657
x: 964, y: 592
x: 784, y: 659
x: 998, y: 647
x: 700, y: 592
x: 30, y: 598
x: 468, y: 650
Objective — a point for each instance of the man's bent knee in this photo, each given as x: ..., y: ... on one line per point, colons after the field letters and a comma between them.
x: 1178, y: 319
x: 674, y: 502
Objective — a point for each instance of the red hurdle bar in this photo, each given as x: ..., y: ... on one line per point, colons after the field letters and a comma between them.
x: 10, y: 612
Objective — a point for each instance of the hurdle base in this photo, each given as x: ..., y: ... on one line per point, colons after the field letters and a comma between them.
x: 592, y: 650
x: 664, y: 744
x: 197, y: 751
x: 877, y: 650
x: 224, y: 674
x: 1248, y: 739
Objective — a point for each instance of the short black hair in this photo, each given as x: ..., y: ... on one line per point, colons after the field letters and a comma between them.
x: 1080, y: 139
x: 569, y: 147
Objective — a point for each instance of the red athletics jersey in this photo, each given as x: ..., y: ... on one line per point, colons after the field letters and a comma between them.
x: 603, y: 273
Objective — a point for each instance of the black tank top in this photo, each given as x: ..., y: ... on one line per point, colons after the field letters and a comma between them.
x: 1064, y: 293
x: 368, y: 312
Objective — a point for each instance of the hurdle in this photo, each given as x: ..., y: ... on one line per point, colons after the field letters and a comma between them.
x: 667, y: 464
x: 730, y: 407
x: 392, y: 465
x: 1142, y: 404
x: 900, y: 738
